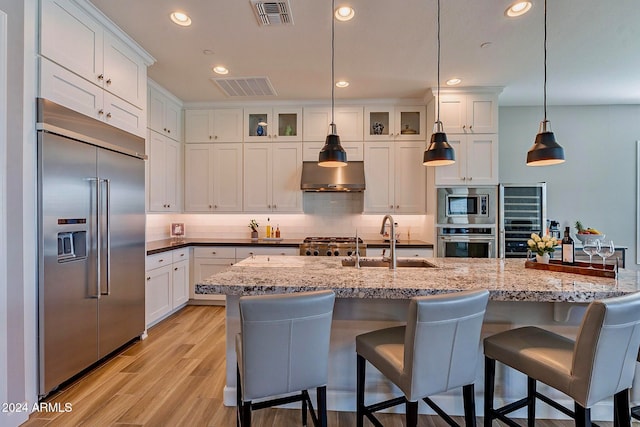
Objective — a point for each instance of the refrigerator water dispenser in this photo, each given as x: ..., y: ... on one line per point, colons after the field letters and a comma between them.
x: 72, y: 245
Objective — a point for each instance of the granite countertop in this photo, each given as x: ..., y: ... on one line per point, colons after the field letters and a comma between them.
x: 506, y: 279
x: 158, y: 246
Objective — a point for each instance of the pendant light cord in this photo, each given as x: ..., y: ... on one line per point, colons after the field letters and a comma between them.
x: 545, y: 60
x: 333, y: 25
x: 438, y: 37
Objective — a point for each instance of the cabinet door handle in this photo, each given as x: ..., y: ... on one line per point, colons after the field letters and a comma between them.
x: 470, y: 127
x: 210, y: 136
x: 397, y: 206
x: 168, y: 206
x: 215, y: 206
x: 470, y: 178
x: 464, y: 127
x: 100, y: 112
x: 109, y: 81
x: 215, y: 137
x: 214, y: 252
x: 181, y: 254
x: 168, y: 130
x: 108, y: 115
x: 100, y: 76
x: 148, y: 278
x: 161, y: 260
x: 165, y: 129
x: 210, y: 206
x: 390, y: 206
x: 275, y: 207
x: 175, y: 269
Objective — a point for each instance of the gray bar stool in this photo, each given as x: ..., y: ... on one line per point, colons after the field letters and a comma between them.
x: 283, y: 348
x: 599, y: 364
x: 435, y: 352
x: 635, y: 411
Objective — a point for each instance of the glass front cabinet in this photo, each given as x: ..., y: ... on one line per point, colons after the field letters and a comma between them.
x: 282, y: 124
x: 388, y: 122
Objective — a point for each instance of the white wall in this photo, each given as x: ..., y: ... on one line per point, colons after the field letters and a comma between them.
x: 20, y: 298
x: 597, y: 183
x: 4, y: 344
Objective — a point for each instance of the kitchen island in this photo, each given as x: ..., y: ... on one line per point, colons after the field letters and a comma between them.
x: 372, y: 297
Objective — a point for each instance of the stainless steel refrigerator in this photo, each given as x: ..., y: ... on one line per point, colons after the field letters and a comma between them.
x: 522, y: 211
x: 91, y: 250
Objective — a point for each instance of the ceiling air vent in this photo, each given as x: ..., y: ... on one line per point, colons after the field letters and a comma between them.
x: 272, y: 13
x: 245, y: 86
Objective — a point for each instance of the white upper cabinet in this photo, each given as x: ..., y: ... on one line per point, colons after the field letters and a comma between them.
x: 213, y: 177
x: 72, y: 38
x: 272, y: 174
x: 164, y: 114
x: 219, y: 125
x: 476, y: 161
x: 163, y: 173
x: 389, y: 122
x: 72, y: 91
x: 282, y: 124
x: 469, y: 112
x: 348, y: 120
x: 395, y: 177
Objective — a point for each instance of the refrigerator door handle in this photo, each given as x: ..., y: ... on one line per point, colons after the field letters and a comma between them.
x: 108, y: 255
x: 98, y: 237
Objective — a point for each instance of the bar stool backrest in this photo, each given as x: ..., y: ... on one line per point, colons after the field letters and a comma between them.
x: 606, y: 349
x: 285, y: 342
x: 442, y: 341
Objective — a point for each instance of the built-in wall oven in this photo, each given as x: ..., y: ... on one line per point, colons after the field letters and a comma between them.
x: 467, y: 222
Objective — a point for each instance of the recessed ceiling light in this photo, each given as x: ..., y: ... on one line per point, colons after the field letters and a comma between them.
x: 485, y: 45
x: 207, y: 52
x: 181, y: 18
x: 454, y: 81
x: 517, y: 8
x: 219, y: 69
x: 342, y: 83
x: 345, y: 13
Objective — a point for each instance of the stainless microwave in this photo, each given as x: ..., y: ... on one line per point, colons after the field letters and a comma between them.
x: 467, y: 205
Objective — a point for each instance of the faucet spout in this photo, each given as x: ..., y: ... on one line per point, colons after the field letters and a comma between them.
x: 392, y: 240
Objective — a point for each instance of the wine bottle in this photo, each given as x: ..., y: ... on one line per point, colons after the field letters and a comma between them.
x: 268, y: 235
x: 568, y: 248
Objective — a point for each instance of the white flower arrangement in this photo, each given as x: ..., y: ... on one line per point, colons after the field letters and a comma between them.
x: 542, y: 245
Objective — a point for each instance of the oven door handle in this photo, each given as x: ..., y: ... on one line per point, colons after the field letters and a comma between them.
x: 467, y: 239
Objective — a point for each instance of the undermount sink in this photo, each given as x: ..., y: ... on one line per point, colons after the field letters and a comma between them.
x: 415, y: 263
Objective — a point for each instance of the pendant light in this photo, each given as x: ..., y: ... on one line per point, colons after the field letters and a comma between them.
x: 332, y: 154
x: 545, y: 150
x: 439, y: 152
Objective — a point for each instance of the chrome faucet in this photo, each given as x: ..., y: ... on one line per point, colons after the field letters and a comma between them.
x: 357, y: 254
x: 392, y: 240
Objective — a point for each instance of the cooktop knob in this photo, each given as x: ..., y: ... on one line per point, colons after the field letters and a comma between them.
x: 336, y: 253
x: 329, y: 253
x: 316, y: 253
x: 308, y: 252
x: 349, y: 253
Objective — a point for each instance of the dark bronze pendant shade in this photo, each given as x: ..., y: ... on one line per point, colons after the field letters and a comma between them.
x: 332, y: 154
x: 545, y: 150
x: 439, y: 152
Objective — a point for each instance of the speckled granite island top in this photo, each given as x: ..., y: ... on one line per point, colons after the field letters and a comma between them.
x: 506, y: 279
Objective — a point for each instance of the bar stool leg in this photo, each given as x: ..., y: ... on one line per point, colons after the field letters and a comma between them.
x: 304, y: 408
x: 238, y: 398
x: 489, y: 383
x: 468, y: 395
x: 412, y: 413
x: 583, y: 416
x: 321, y: 393
x: 621, y: 414
x: 361, y: 365
x: 531, y: 402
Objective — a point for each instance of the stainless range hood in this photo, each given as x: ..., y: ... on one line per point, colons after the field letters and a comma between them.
x: 346, y: 178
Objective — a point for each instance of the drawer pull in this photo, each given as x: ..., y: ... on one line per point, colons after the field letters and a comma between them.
x: 160, y: 260
x: 175, y: 269
x: 148, y: 278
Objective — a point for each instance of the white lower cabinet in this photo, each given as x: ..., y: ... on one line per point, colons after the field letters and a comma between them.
x: 401, y: 252
x: 208, y: 260
x: 395, y: 177
x: 167, y: 281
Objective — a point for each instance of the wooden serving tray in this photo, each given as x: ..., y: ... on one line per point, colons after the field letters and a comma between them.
x: 577, y: 268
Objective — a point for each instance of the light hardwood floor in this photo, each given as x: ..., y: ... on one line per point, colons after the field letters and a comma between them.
x: 175, y: 378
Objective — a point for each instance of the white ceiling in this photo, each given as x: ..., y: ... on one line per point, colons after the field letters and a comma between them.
x: 389, y: 49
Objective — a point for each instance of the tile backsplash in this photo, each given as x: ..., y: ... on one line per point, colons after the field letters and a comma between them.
x: 325, y: 214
